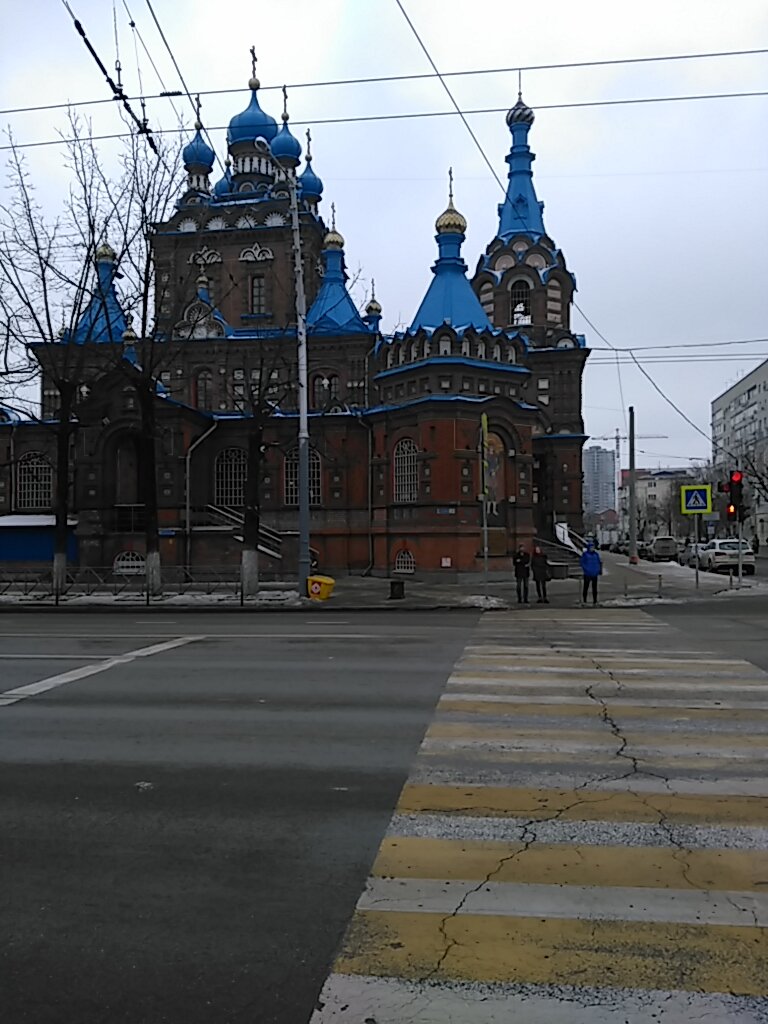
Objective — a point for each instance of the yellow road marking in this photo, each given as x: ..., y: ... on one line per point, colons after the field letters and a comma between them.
x: 467, y: 947
x: 667, y: 764
x: 556, y: 864
x: 582, y: 805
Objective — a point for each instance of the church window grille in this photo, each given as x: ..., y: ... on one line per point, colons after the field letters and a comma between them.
x: 405, y: 562
x: 291, y: 477
x: 406, y: 477
x: 34, y: 481
x: 258, y: 295
x: 519, y: 303
x: 129, y: 563
x: 334, y: 387
x: 203, y: 398
x: 231, y: 471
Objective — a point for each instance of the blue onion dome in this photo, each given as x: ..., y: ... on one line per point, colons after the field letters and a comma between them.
x: 311, y: 185
x: 253, y: 123
x: 197, y: 154
x: 285, y: 147
x: 521, y: 113
x: 224, y: 184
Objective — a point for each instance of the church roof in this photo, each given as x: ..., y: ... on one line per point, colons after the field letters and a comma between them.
x: 333, y: 311
x: 103, y: 319
x: 521, y: 213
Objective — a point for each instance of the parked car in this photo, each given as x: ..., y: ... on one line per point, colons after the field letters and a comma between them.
x: 663, y: 549
x: 689, y: 556
x: 720, y: 555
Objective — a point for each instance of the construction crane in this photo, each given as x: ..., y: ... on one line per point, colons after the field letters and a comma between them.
x: 619, y: 437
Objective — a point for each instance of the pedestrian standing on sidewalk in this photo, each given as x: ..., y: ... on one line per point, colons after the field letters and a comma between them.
x: 541, y: 574
x: 592, y: 567
x: 522, y: 565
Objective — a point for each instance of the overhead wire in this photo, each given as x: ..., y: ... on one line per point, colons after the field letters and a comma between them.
x: 411, y: 115
x: 117, y: 90
x: 374, y: 80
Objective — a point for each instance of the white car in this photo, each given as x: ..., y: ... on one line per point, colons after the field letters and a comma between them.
x: 721, y: 555
x: 688, y: 557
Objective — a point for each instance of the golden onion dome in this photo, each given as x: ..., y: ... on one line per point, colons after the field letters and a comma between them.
x: 450, y: 220
x: 105, y: 252
x: 333, y: 240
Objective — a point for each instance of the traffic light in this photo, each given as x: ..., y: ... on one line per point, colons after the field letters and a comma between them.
x: 732, y: 513
x: 736, y: 487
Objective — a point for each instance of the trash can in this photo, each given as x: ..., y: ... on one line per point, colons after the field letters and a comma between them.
x: 320, y: 588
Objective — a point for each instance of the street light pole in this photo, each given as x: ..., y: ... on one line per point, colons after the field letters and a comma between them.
x: 632, y: 491
x: 301, y: 338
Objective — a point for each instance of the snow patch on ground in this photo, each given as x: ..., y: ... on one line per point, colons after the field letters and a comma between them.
x: 481, y: 601
x: 638, y: 602
x: 284, y: 598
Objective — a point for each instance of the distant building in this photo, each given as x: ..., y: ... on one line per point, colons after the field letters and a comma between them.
x: 599, y: 466
x: 658, y: 503
x: 740, y: 441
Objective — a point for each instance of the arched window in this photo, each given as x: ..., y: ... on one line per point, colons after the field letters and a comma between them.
x: 291, y: 477
x: 129, y: 563
x: 34, y: 481
x: 465, y: 346
x: 415, y: 349
x: 406, y: 477
x: 405, y: 562
x: 511, y: 354
x: 401, y: 353
x: 231, y: 470
x: 203, y: 398
x: 519, y: 303
x: 444, y: 345
x: 497, y: 353
x: 481, y: 350
x: 318, y: 391
x: 390, y: 358
x: 427, y: 348
x: 334, y: 387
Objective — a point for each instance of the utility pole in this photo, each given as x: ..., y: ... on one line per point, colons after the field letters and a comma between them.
x: 632, y: 491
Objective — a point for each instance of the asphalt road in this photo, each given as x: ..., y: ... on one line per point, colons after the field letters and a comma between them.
x: 186, y: 831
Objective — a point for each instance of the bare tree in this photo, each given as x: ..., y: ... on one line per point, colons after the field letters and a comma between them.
x: 47, y: 282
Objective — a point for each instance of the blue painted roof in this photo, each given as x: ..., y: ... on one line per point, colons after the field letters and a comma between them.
x: 449, y: 298
x: 286, y: 146
x: 521, y: 212
x: 559, y: 437
x: 252, y: 123
x: 198, y: 153
x: 333, y: 311
x: 311, y: 184
x: 479, y: 364
x: 103, y: 319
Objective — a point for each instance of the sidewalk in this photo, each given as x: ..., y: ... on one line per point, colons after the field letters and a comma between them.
x: 621, y: 584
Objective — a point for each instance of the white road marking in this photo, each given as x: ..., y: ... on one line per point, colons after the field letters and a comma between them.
x: 572, y: 902
x: 42, y: 685
x: 55, y: 657
x: 351, y: 998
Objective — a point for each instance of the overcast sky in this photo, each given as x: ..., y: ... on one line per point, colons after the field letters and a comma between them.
x: 661, y: 209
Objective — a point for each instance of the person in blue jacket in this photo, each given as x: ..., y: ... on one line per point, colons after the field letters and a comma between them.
x: 592, y: 567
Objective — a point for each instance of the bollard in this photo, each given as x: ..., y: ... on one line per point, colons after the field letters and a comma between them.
x: 626, y: 588
x: 659, y: 586
x: 730, y: 579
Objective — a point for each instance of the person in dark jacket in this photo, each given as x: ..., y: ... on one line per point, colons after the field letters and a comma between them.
x: 540, y: 570
x: 592, y: 567
x: 522, y: 565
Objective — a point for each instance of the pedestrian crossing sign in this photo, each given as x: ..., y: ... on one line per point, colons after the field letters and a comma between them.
x: 696, y: 499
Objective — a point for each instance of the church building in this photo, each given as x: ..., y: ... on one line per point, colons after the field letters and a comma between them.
x: 397, y: 466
